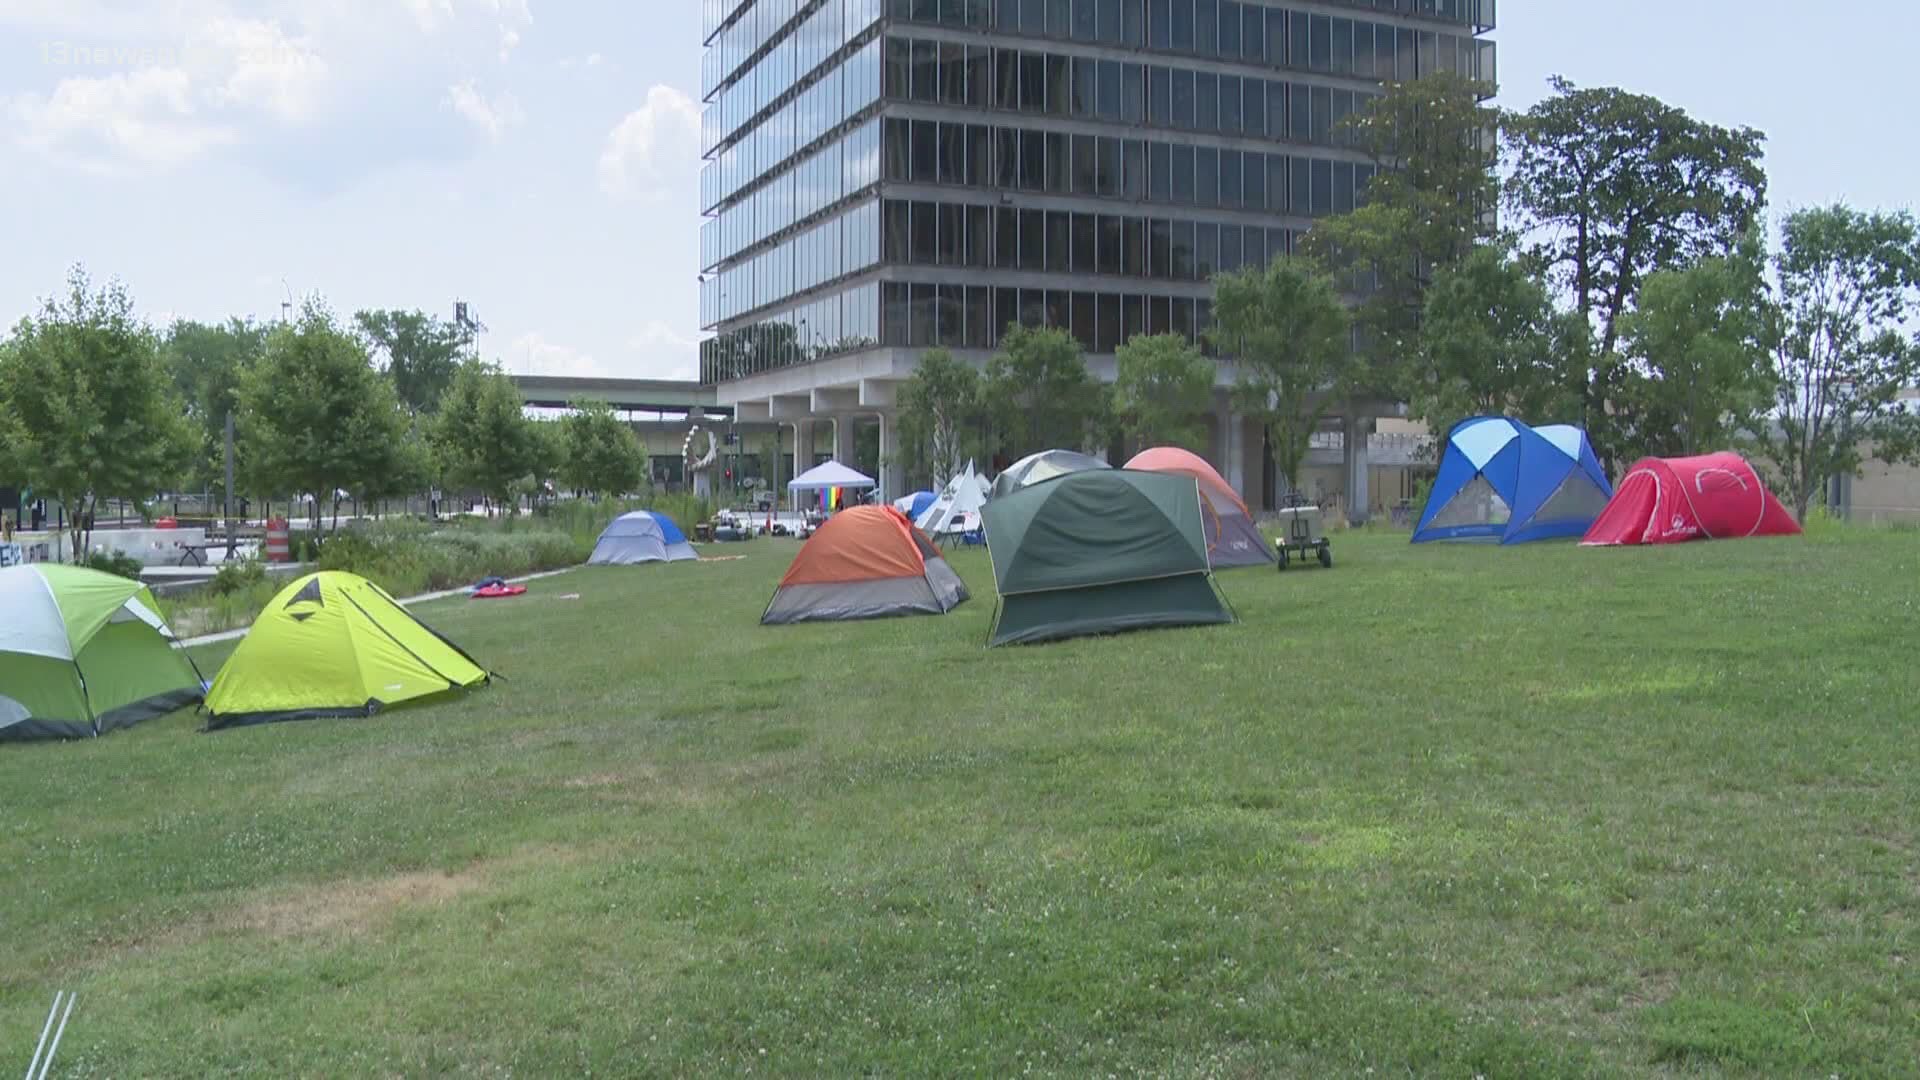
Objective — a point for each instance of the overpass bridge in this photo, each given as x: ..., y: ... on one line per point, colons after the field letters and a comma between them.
x: 626, y: 395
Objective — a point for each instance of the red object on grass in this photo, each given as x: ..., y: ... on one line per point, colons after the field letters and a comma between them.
x: 492, y: 592
x: 1672, y: 500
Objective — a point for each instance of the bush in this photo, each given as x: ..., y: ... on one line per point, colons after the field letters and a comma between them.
x: 583, y: 521
x: 113, y: 562
x: 243, y: 575
x: 402, y: 556
x: 405, y: 558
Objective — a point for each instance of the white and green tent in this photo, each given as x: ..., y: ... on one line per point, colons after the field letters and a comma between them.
x: 83, y: 653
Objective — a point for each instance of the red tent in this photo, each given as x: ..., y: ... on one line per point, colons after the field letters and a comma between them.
x: 1711, y: 497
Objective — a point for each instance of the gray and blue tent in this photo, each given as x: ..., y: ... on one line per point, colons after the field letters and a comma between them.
x: 641, y: 537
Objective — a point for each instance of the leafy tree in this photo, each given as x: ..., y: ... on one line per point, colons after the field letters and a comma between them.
x: 481, y: 434
x: 1491, y: 344
x: 402, y: 468
x: 939, y: 407
x: 92, y: 412
x: 1849, y: 286
x: 315, y: 417
x: 205, y: 361
x: 1041, y: 395
x: 603, y: 455
x: 421, y: 353
x: 1432, y: 142
x: 1289, y: 334
x: 1699, y: 340
x: 1613, y: 187
x: 1162, y: 391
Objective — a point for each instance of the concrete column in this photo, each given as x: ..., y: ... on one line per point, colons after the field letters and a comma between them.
x: 891, y: 485
x: 843, y: 440
x: 1358, y: 465
x: 802, y: 455
x: 1233, y: 451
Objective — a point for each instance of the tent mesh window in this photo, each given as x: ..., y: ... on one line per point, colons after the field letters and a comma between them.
x: 1476, y: 504
x: 1577, y: 499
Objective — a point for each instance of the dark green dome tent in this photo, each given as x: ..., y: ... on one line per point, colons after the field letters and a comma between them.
x: 1098, y: 551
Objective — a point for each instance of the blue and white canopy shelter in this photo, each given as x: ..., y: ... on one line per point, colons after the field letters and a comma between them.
x: 641, y: 537
x: 1503, y: 481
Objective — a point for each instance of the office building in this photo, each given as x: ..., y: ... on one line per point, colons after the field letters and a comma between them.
x: 884, y: 176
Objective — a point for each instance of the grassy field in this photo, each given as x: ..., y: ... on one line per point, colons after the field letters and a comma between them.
x: 1439, y: 811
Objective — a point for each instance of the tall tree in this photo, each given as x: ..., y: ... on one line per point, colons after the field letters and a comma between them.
x: 205, y: 361
x: 1289, y: 334
x: 1849, y: 287
x: 419, y: 352
x: 1700, y: 346
x: 1491, y: 343
x: 603, y: 455
x: 92, y: 411
x: 481, y: 435
x: 402, y: 468
x: 1162, y: 392
x: 939, y: 410
x: 1041, y: 395
x: 315, y: 417
x: 1433, y: 144
x: 1611, y: 187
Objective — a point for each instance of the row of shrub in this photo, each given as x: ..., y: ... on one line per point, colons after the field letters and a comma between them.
x: 408, y: 557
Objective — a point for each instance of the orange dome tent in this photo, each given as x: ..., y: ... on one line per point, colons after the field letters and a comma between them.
x: 1232, y: 538
x: 865, y: 563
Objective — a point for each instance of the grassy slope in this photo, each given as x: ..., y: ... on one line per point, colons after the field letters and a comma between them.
x: 1516, y: 812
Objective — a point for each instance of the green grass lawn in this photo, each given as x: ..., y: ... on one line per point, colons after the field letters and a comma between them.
x: 1439, y: 811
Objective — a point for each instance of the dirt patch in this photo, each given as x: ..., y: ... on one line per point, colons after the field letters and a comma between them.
x: 356, y: 905
x: 596, y: 780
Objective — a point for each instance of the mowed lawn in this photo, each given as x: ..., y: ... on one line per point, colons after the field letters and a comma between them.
x: 1440, y: 811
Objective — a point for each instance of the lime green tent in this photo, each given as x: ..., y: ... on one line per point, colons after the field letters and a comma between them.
x: 333, y: 644
x: 1097, y: 551
x: 83, y: 653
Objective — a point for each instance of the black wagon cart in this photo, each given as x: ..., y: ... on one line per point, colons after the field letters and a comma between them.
x: 1303, y: 533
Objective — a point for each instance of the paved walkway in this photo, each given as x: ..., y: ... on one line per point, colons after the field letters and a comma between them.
x: 232, y: 635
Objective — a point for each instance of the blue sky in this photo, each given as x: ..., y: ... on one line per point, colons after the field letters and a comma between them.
x: 539, y: 159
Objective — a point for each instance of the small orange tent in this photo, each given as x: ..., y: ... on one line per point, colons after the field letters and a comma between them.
x: 865, y: 563
x: 1232, y: 538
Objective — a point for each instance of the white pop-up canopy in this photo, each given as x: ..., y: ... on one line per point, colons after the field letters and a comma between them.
x: 829, y: 474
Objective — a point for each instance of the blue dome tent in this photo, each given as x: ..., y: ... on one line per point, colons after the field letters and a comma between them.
x: 1503, y: 481
x: 641, y: 537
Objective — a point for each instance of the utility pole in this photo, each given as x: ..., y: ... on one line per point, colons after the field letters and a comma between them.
x: 229, y: 491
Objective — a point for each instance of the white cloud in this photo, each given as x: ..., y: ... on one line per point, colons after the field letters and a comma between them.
x: 131, y: 87
x: 147, y: 118
x: 490, y: 117
x: 666, y: 353
x: 657, y: 352
x: 430, y: 13
x: 268, y: 70
x: 639, y: 149
x: 533, y: 354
